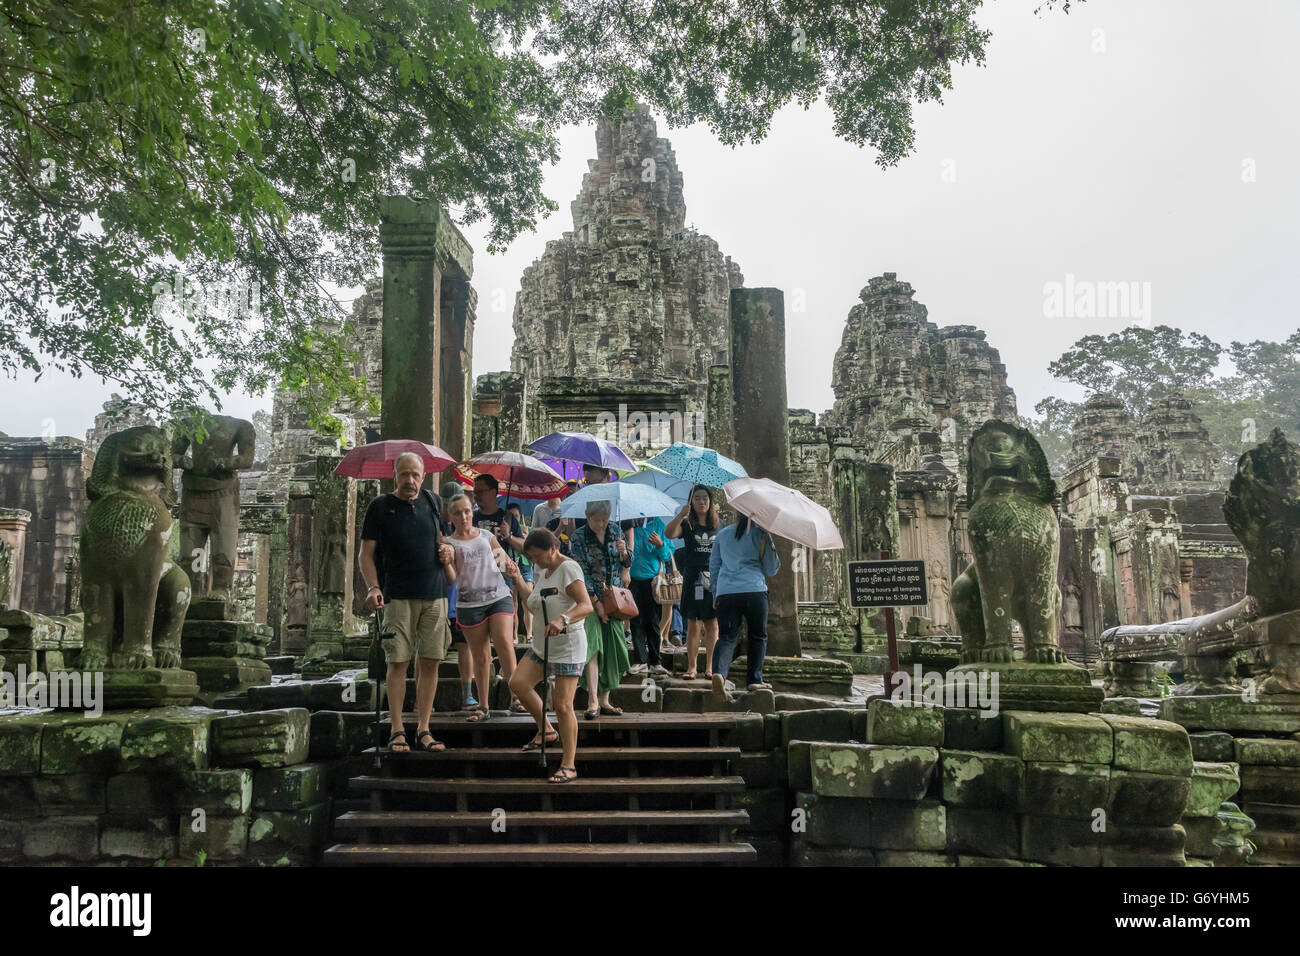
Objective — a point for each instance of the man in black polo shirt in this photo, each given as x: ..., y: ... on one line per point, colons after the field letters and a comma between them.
x: 407, y: 568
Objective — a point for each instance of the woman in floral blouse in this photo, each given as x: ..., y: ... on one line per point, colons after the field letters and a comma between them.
x: 605, y: 559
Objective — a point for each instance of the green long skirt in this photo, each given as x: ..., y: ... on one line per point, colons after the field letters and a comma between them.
x: 606, y: 639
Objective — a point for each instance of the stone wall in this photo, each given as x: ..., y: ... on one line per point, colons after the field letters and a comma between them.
x: 47, y: 479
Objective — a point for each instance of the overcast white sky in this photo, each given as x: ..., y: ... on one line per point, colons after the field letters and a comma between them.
x: 1112, y: 144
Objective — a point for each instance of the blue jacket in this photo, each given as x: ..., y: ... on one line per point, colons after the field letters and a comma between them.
x: 645, y: 556
x: 735, y: 566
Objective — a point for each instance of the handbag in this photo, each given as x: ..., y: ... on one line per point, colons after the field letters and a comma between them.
x: 617, y: 601
x: 667, y: 588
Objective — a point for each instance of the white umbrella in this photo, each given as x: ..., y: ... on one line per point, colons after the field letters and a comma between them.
x: 784, y: 511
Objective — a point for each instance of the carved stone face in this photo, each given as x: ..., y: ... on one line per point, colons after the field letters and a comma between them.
x: 1003, y: 456
x: 143, y: 450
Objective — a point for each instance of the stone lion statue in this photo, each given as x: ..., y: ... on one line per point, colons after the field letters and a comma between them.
x: 133, y: 597
x: 1015, y: 541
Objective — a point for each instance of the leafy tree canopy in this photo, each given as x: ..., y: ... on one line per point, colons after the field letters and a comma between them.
x: 190, y: 179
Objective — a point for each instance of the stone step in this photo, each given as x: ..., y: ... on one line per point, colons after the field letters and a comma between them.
x: 524, y: 853
x: 508, y: 785
x: 415, y: 820
x: 502, y: 722
x: 512, y: 754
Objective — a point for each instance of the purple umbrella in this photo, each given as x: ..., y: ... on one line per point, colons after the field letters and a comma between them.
x: 585, y: 448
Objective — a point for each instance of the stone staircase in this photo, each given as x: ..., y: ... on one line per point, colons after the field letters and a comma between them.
x: 654, y: 788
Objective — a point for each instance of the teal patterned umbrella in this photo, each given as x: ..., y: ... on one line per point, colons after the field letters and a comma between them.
x: 698, y: 465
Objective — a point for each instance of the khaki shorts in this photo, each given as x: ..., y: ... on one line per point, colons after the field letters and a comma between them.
x: 421, y: 628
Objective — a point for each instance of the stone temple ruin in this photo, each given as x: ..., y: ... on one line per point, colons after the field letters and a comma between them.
x: 1138, y: 571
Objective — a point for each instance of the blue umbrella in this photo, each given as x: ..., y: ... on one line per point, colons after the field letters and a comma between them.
x: 582, y: 447
x: 698, y: 465
x: 676, y: 488
x: 627, y: 501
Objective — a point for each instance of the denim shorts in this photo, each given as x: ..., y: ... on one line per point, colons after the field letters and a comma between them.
x: 474, y: 616
x: 554, y: 669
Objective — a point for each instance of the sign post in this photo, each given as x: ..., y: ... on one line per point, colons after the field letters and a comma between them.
x: 888, y: 584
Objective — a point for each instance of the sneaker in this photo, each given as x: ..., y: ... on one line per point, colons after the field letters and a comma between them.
x: 639, y: 669
x: 470, y: 702
x: 658, y: 671
x: 675, y: 640
x: 758, y: 687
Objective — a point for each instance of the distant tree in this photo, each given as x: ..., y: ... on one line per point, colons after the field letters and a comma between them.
x: 1052, y: 426
x: 1138, y: 365
x: 262, y: 426
x: 187, y: 181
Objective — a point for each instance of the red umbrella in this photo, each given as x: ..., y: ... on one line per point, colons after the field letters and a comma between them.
x: 521, y: 476
x: 375, y: 460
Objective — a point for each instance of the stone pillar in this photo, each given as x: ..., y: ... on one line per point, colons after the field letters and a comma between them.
x: 333, y: 553
x: 866, y: 512
x: 717, y: 421
x: 760, y: 433
x: 13, y: 542
x: 295, y: 636
x: 408, y: 234
x: 457, y: 343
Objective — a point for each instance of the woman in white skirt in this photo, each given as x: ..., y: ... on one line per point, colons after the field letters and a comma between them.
x: 563, y: 639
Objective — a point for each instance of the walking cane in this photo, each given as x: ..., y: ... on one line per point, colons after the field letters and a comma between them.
x: 546, y: 654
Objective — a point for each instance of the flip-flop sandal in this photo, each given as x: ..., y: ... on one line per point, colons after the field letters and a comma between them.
x: 564, y: 775
x: 535, y: 745
x: 478, y: 715
x: 518, y: 707
x: 393, y: 739
x: 592, y: 714
x: 690, y: 675
x: 611, y: 711
x: 434, y: 746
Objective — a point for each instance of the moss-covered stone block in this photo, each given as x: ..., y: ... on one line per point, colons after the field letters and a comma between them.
x: 799, y: 765
x: 223, y: 839
x: 288, y: 788
x: 761, y: 770
x: 766, y: 808
x: 912, y: 858
x: 84, y: 745
x: 20, y: 745
x: 1149, y: 745
x: 771, y: 731
x: 805, y: 853
x: 968, y: 728
x: 1211, y: 784
x: 1061, y: 737
x: 909, y: 825
x: 264, y: 738
x: 898, y: 722
x: 1264, y: 784
x: 1146, y: 799
x: 11, y: 841
x: 872, y: 770
x: 73, y: 838
x: 215, y: 792
x: 832, y: 723
x: 1130, y: 845
x: 1213, y: 746
x: 964, y: 860
x: 981, y: 779
x: 747, y: 734
x: 273, y: 833
x: 983, y: 832
x: 138, y: 837
x: 71, y: 793
x: 18, y: 797
x: 1268, y: 751
x: 135, y: 793
x: 1075, y: 791
x: 174, y: 738
x: 1059, y: 841
x: 836, y: 821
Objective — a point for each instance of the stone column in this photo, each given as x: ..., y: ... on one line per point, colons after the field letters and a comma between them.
x: 760, y: 433
x: 456, y: 375
x: 408, y: 233
x: 13, y: 542
x: 717, y: 412
x: 333, y: 553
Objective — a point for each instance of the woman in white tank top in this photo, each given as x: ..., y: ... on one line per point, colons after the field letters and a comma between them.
x: 484, y: 603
